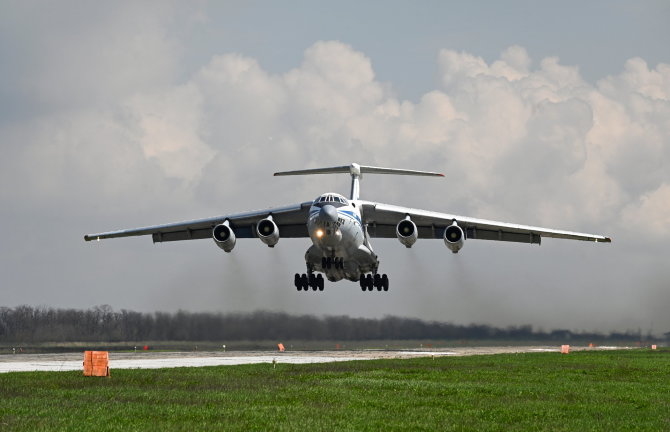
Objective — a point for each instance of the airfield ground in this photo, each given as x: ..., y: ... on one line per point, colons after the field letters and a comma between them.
x: 596, y: 390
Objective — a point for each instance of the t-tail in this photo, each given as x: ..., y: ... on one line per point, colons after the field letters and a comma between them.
x: 357, y: 172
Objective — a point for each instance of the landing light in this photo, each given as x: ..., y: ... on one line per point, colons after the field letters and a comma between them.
x: 319, y: 233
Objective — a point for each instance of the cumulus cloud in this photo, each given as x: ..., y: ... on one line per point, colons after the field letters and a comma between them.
x: 651, y: 211
x: 169, y: 131
x: 540, y: 144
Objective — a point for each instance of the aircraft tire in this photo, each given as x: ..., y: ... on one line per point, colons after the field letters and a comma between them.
x: 297, y: 282
x: 369, y: 282
x: 385, y: 282
x: 304, y: 283
x: 320, y: 282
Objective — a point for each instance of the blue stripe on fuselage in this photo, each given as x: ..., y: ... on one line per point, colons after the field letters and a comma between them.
x: 352, y: 215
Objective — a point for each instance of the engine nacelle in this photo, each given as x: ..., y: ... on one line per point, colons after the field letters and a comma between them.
x: 454, y: 237
x: 224, y: 236
x: 267, y: 231
x: 406, y: 232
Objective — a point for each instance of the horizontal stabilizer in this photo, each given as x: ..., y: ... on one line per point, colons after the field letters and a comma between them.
x: 356, y: 169
x: 356, y: 172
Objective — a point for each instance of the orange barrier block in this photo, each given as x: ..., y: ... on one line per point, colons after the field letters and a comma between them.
x: 96, y: 363
x: 565, y: 349
x: 281, y: 347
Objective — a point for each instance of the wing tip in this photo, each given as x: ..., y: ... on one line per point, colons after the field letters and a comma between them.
x: 87, y: 238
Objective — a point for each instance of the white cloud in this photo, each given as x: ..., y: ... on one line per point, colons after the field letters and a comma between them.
x: 650, y: 214
x: 540, y: 146
x: 170, y: 128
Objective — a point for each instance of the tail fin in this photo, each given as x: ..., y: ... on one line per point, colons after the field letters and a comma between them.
x: 357, y: 172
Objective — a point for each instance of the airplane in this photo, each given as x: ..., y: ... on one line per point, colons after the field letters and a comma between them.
x: 340, y: 230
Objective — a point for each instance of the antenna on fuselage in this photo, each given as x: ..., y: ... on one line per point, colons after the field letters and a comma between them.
x: 356, y: 171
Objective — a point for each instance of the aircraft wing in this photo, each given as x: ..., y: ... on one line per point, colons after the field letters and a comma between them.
x: 382, y: 219
x: 291, y: 221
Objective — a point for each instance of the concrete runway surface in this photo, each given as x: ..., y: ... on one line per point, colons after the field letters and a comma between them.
x: 157, y: 360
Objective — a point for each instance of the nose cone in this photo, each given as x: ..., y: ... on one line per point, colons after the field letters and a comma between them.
x: 328, y: 213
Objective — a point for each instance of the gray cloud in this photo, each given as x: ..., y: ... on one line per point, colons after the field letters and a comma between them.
x: 111, y: 137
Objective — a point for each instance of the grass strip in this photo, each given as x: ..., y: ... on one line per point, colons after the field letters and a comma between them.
x: 598, y: 391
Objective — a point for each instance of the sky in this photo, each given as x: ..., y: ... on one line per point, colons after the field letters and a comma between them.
x: 127, y: 114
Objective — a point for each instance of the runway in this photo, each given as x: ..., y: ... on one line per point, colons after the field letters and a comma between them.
x: 157, y: 360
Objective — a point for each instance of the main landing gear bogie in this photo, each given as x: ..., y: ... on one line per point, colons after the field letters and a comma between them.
x: 369, y: 281
x: 305, y: 281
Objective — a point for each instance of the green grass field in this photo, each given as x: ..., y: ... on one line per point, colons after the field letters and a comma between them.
x: 603, y: 391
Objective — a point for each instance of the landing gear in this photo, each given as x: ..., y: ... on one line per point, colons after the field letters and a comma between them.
x: 334, y: 262
x: 303, y: 282
x: 368, y: 282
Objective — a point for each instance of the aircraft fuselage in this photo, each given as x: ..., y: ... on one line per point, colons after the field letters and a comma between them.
x: 340, y: 247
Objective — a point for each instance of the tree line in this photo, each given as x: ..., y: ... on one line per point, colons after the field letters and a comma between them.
x: 27, y: 324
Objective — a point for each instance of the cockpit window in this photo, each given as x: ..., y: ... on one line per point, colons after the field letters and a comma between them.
x: 335, y: 199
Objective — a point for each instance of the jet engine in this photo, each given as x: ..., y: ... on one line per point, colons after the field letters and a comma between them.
x: 224, y: 236
x: 267, y: 231
x: 406, y: 232
x: 454, y: 237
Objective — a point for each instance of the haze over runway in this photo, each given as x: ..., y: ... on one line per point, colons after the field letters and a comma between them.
x: 123, y: 115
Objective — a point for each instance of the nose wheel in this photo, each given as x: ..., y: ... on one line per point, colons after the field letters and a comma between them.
x: 369, y: 282
x: 305, y: 281
x: 334, y: 262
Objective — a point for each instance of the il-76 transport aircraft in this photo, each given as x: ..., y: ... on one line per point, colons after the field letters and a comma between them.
x: 340, y: 230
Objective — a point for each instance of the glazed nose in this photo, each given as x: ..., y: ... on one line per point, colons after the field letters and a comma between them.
x: 328, y: 213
